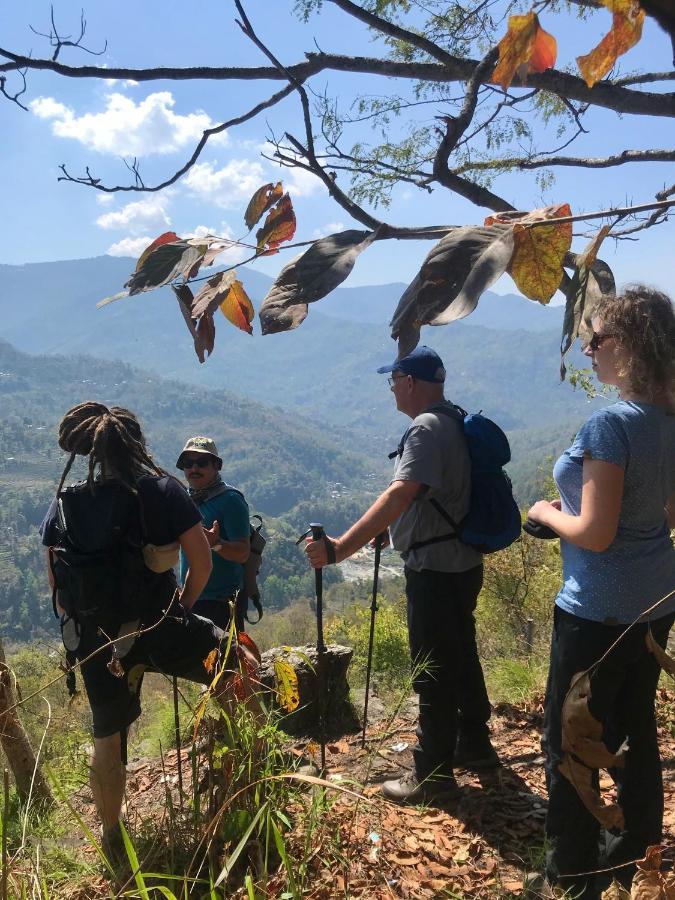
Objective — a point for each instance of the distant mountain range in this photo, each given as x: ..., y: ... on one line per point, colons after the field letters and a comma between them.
x: 324, y: 371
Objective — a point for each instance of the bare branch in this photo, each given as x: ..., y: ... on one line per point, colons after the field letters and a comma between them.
x: 604, y: 94
x: 59, y: 41
x: 354, y: 210
x: 14, y: 98
x: 208, y: 133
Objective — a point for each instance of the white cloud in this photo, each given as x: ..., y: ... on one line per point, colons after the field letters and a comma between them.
x: 130, y: 246
x: 331, y: 228
x: 229, y: 256
x: 105, y: 199
x: 139, y: 217
x: 227, y: 186
x: 300, y: 182
x: 127, y: 128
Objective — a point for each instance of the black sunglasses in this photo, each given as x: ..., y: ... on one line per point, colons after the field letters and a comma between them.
x: 200, y: 462
x: 597, y: 341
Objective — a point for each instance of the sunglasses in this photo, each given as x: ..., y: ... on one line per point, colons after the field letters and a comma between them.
x: 597, y: 341
x: 202, y: 462
x: 394, y: 378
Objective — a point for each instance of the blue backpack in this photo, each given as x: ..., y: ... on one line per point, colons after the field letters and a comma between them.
x: 493, y: 521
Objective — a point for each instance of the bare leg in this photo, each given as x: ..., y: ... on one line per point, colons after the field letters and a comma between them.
x: 107, y: 777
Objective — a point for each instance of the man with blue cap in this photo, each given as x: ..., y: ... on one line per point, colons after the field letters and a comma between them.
x: 443, y: 580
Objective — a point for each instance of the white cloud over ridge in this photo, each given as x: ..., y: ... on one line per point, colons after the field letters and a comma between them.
x: 138, y: 217
x: 127, y: 128
x: 129, y: 246
x: 228, y: 185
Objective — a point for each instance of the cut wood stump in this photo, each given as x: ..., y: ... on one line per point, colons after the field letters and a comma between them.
x: 340, y: 717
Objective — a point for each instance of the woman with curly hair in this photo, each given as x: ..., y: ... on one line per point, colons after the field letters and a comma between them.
x: 124, y: 590
x: 616, y: 508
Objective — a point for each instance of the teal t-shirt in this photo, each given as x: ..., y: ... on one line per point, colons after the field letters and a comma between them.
x: 231, y: 511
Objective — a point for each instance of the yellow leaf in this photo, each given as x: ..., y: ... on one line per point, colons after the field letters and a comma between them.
x: 525, y: 47
x: 537, y: 262
x: 287, y: 685
x: 237, y: 307
x: 626, y: 31
x: 265, y: 197
x: 210, y: 661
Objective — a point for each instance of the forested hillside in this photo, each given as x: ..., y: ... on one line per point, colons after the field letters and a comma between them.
x: 278, y: 460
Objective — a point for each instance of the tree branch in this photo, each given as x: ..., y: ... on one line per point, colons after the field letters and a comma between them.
x: 604, y: 94
x: 627, y: 156
x: 140, y: 187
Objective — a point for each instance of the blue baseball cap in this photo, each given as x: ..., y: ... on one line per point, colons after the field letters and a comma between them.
x: 422, y: 363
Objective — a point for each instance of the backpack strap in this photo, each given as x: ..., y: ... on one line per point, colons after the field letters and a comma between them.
x: 452, y: 411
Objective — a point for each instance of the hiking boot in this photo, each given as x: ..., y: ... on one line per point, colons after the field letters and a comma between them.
x: 410, y: 789
x: 475, y: 756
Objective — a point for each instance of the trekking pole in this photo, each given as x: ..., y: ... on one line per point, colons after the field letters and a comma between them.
x: 176, y: 724
x: 371, y: 637
x: 318, y: 533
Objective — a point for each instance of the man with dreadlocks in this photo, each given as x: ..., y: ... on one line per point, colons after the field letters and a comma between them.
x: 112, y: 542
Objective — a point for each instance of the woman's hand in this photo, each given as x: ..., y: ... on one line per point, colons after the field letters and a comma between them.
x: 540, y: 510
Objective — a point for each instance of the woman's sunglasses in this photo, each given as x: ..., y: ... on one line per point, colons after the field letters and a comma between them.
x: 201, y: 462
x: 597, y: 341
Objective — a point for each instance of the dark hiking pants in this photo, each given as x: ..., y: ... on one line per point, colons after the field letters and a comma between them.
x: 451, y: 689
x: 622, y: 697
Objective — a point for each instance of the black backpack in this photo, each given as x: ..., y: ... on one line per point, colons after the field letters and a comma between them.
x: 97, y: 560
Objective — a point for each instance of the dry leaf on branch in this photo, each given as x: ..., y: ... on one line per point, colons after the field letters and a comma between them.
x: 525, y: 47
x: 626, y: 31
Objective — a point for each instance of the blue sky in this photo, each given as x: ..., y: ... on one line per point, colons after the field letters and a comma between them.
x: 98, y: 123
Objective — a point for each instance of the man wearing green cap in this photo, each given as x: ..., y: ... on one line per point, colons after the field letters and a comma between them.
x: 225, y: 517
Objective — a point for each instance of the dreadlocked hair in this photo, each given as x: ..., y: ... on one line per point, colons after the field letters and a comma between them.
x: 642, y: 321
x: 112, y: 439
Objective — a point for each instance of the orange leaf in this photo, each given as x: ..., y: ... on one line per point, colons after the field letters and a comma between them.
x: 544, y: 51
x: 210, y: 661
x: 265, y: 197
x: 537, y: 262
x: 525, y: 44
x: 237, y: 307
x: 279, y: 226
x: 626, y: 31
x: 167, y: 238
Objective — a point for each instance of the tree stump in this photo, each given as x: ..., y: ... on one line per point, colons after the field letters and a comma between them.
x: 339, y: 716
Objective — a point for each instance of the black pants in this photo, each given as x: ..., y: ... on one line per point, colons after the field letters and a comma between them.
x: 451, y: 688
x: 622, y: 697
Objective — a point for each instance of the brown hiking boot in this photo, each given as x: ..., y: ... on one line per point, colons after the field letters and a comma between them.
x: 410, y: 790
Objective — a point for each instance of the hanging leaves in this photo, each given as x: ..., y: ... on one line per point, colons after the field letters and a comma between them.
x: 162, y: 264
x: 590, y: 281
x: 286, y: 679
x: 537, y: 262
x: 279, y: 226
x: 309, y: 277
x: 167, y: 238
x: 265, y: 197
x: 212, y: 294
x: 585, y: 751
x: 237, y: 307
x: 626, y: 31
x: 526, y: 47
x: 463, y: 265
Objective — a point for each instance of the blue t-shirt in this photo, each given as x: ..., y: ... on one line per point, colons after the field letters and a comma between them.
x: 231, y: 511
x: 638, y: 568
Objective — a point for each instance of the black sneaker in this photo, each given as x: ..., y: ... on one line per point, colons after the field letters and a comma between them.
x: 479, y: 757
x: 409, y: 789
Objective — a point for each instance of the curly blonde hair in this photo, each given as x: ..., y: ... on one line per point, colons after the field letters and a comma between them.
x: 642, y: 321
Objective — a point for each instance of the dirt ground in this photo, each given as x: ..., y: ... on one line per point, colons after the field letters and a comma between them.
x: 480, y: 848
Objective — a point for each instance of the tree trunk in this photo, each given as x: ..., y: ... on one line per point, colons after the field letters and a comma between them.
x: 15, y: 741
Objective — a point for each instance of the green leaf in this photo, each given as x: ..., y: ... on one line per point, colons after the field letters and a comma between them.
x: 163, y: 264
x: 287, y: 685
x: 234, y: 856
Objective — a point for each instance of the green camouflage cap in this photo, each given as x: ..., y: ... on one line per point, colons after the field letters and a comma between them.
x: 199, y: 445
